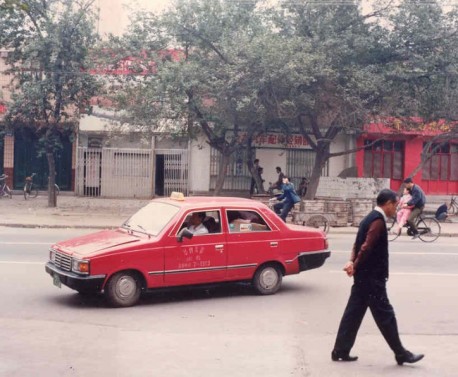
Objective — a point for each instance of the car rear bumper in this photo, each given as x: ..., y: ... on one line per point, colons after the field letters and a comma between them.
x: 312, y: 259
x: 75, y: 281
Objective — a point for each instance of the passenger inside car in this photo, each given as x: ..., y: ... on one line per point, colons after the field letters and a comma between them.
x: 211, y: 224
x: 245, y: 221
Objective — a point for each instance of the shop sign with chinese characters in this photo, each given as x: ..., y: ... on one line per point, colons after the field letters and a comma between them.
x: 273, y: 140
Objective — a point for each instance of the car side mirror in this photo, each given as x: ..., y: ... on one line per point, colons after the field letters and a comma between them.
x: 184, y: 233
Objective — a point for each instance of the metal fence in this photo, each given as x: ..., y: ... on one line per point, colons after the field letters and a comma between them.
x: 238, y: 177
x: 130, y: 173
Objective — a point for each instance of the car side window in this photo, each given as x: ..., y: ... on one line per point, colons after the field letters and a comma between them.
x: 246, y: 221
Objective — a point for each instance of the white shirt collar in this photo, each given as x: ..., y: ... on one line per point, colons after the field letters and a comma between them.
x: 378, y: 209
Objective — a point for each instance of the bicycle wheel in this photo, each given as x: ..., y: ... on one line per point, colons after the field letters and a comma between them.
x: 319, y: 222
x: 33, y: 193
x: 9, y: 192
x: 453, y: 207
x: 391, y: 227
x: 429, y: 229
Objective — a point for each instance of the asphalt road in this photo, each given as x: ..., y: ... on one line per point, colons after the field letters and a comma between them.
x: 223, y: 331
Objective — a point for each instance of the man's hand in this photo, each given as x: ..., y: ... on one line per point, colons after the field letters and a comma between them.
x: 348, y: 268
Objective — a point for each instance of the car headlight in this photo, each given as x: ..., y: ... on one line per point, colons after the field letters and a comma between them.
x: 52, y: 255
x: 80, y: 266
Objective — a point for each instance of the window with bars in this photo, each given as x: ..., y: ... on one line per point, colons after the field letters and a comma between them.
x: 443, y: 165
x: 238, y: 177
x: 383, y: 159
x: 300, y: 164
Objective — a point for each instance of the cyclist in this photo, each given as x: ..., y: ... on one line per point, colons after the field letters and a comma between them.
x: 418, y: 202
x: 288, y: 199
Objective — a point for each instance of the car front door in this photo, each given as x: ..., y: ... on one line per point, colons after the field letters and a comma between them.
x: 201, y: 259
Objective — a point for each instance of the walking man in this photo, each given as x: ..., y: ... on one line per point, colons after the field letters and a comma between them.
x: 418, y: 202
x: 369, y: 268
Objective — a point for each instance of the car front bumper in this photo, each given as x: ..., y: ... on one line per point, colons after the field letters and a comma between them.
x: 74, y: 281
x: 312, y: 259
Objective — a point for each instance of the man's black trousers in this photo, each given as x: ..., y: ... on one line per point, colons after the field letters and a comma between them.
x: 368, y: 293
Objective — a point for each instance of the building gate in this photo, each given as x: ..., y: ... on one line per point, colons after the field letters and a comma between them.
x: 131, y: 173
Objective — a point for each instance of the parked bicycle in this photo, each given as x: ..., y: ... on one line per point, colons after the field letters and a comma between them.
x: 4, y: 189
x: 428, y: 228
x: 30, y: 191
x: 453, y: 206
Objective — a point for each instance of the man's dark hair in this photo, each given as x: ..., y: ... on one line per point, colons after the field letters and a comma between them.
x: 278, y: 168
x: 408, y: 180
x: 202, y: 215
x: 256, y: 161
x: 386, y: 195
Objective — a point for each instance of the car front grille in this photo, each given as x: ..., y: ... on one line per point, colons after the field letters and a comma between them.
x: 63, y: 261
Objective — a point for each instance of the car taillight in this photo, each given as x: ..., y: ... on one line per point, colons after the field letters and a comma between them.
x: 326, y: 244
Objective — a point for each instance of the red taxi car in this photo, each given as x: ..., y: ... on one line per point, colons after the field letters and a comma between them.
x: 243, y: 240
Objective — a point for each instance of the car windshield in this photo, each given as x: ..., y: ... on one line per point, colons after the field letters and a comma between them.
x: 152, y: 218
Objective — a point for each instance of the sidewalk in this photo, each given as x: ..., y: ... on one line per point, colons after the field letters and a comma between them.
x: 97, y: 213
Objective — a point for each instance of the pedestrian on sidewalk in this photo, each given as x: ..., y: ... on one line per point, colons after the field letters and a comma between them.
x: 369, y: 268
x: 257, y: 170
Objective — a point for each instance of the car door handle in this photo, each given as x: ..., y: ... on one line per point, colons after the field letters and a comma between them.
x: 219, y: 247
x: 274, y: 244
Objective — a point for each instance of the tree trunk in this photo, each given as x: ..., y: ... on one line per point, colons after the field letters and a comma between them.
x: 52, y: 199
x: 224, y: 163
x: 321, y: 158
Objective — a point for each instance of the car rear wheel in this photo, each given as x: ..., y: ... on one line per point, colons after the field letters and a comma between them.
x: 123, y: 289
x: 267, y: 279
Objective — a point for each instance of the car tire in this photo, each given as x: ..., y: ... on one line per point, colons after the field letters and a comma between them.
x: 123, y: 289
x: 267, y: 279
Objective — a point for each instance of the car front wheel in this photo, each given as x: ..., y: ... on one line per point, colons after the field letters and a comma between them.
x: 123, y: 289
x: 267, y: 279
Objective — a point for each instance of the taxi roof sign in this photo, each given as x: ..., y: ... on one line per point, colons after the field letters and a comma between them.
x: 175, y: 195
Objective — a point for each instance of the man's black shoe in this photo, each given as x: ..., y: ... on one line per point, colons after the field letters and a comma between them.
x: 342, y: 356
x: 408, y: 357
x: 415, y: 236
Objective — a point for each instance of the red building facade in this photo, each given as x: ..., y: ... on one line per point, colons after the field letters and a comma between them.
x: 397, y: 152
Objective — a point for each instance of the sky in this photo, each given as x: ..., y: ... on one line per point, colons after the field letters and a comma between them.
x: 114, y: 14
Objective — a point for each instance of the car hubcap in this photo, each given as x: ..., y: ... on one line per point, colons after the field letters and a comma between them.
x: 126, y: 287
x: 269, y: 278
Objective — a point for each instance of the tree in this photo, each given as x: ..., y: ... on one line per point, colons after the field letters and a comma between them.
x: 49, y: 43
x: 424, y: 67
x: 212, y: 88
x: 334, y: 78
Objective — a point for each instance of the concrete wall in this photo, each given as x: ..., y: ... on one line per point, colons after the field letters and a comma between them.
x: 349, y: 188
x: 199, y: 165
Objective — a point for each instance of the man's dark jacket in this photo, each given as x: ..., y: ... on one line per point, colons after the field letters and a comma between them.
x: 374, y: 265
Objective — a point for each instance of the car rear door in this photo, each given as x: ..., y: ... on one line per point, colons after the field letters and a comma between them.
x: 250, y: 243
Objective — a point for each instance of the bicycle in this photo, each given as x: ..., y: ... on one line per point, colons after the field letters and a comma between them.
x: 313, y: 220
x: 4, y: 189
x: 428, y: 228
x: 29, y: 189
x: 453, y: 206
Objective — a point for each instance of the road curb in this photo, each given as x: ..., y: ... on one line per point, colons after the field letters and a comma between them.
x: 42, y: 226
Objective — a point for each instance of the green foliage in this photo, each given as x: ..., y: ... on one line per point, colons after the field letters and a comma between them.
x: 296, y: 66
x: 423, y: 72
x: 48, y: 43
